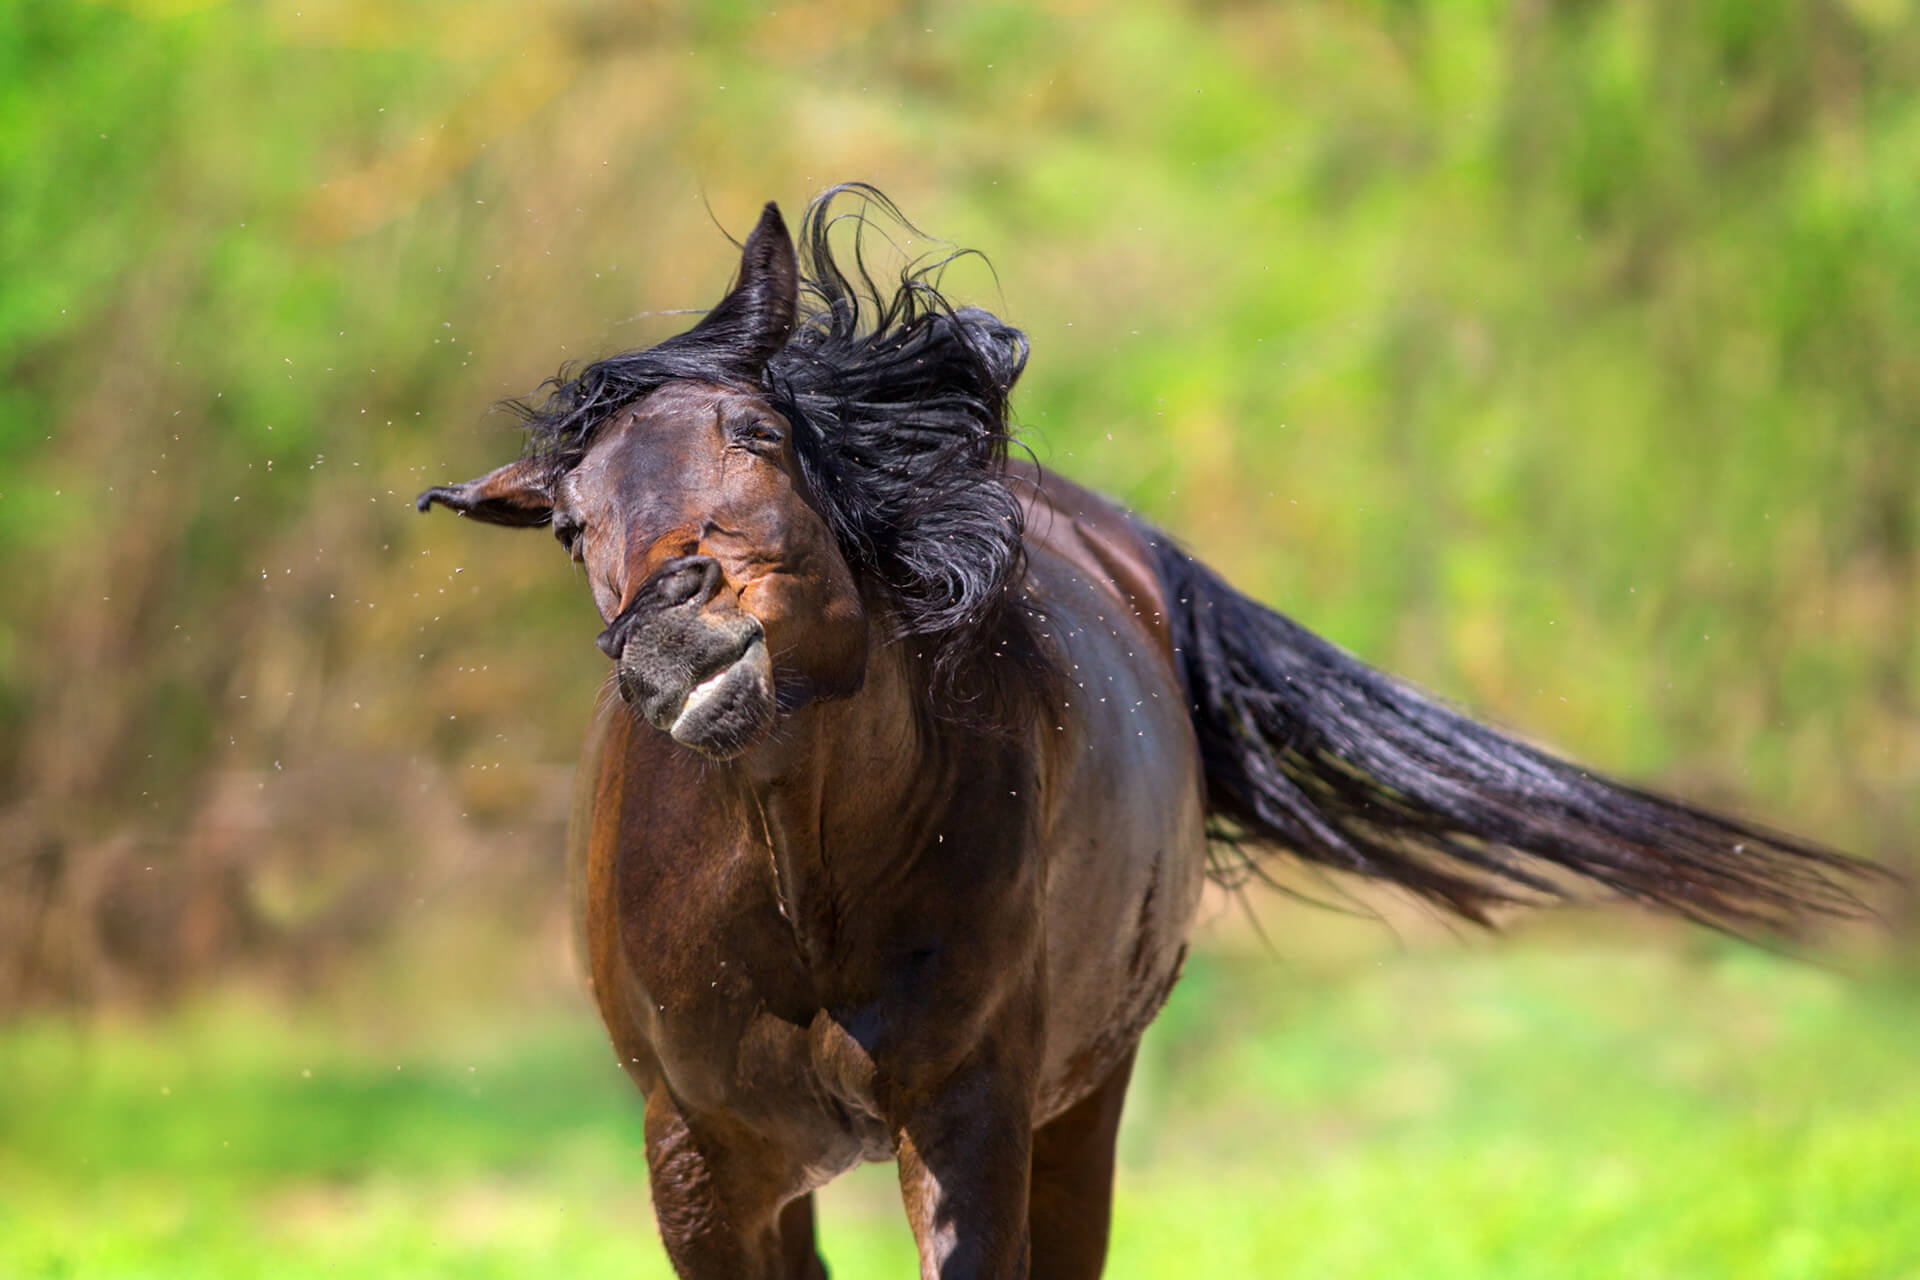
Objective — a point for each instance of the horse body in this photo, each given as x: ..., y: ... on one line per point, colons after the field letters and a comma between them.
x: 893, y: 820
x: 848, y: 938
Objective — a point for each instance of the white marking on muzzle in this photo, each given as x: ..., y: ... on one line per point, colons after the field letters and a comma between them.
x: 703, y: 693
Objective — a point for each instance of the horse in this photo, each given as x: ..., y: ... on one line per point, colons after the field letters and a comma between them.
x: 914, y: 759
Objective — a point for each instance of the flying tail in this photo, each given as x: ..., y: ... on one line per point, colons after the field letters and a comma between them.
x: 1308, y: 749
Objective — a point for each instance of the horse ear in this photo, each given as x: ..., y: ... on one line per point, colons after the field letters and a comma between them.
x: 752, y: 322
x: 519, y: 494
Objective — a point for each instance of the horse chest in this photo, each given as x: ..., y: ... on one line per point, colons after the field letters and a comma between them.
x: 697, y: 965
x: 710, y: 961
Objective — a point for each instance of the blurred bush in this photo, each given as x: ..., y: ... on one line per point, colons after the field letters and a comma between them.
x: 1564, y: 356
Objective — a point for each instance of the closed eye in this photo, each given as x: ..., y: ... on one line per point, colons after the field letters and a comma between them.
x: 756, y: 434
x: 568, y: 531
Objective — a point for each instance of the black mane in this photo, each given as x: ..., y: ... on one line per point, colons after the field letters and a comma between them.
x: 898, y: 402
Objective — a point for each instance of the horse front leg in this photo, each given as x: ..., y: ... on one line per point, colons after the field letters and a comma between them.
x: 965, y: 1156
x: 725, y: 1201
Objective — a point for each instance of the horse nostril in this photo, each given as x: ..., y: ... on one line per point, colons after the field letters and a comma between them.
x: 688, y: 580
x: 694, y: 578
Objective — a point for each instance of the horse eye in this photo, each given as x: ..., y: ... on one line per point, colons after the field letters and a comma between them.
x: 568, y: 530
x: 757, y: 433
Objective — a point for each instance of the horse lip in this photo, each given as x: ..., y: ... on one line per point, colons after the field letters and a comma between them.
x: 755, y: 634
x: 713, y: 675
x: 709, y: 686
x: 710, y: 676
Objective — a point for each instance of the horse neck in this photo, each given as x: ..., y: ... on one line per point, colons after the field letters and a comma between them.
x: 847, y: 792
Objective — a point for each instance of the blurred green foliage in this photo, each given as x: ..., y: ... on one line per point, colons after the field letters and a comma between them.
x: 1560, y: 355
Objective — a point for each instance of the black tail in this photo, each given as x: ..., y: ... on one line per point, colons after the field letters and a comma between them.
x: 1308, y: 749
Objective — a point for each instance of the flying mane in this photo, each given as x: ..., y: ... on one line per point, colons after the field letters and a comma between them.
x: 898, y: 402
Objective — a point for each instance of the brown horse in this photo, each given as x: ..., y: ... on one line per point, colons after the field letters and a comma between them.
x: 895, y: 814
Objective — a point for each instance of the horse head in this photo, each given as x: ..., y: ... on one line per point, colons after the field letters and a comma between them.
x: 726, y: 597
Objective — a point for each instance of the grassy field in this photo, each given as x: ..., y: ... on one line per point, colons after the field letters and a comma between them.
x: 1547, y: 1107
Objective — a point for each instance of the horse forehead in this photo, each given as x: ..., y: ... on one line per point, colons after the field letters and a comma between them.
x: 672, y: 433
x: 674, y: 406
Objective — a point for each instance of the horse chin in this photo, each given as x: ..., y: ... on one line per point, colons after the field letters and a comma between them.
x: 728, y: 711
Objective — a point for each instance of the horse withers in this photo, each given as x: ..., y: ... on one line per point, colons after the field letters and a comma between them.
x: 896, y: 809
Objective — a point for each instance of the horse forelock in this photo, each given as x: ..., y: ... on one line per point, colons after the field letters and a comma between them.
x: 899, y: 405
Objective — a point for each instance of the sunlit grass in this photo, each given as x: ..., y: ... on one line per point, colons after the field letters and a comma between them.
x: 1534, y: 1109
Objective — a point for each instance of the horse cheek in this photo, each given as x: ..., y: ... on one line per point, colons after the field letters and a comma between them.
x: 815, y: 635
x: 839, y: 639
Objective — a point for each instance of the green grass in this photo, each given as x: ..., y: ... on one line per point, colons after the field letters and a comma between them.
x: 1550, y: 1109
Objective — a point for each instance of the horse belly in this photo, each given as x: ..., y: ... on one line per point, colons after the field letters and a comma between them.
x: 1126, y: 844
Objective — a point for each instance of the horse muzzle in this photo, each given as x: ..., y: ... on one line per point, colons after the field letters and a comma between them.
x: 700, y: 675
